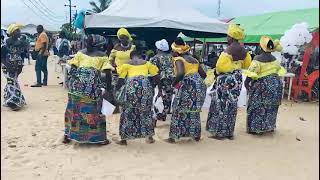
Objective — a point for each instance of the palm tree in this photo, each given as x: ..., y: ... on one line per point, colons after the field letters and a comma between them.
x: 104, y: 4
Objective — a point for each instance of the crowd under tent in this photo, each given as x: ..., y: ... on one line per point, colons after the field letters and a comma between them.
x: 153, y: 20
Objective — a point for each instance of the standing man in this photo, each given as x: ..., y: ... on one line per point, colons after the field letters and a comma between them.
x: 41, y: 63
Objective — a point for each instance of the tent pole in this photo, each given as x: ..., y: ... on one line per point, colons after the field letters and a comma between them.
x: 208, y: 47
x: 194, y: 46
x: 203, y: 49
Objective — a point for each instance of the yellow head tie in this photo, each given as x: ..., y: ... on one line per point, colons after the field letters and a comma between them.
x: 13, y: 27
x: 124, y: 31
x: 264, y: 44
x: 236, y: 32
x: 181, y: 49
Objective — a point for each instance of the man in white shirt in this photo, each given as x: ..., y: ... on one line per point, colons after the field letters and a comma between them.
x: 63, y: 45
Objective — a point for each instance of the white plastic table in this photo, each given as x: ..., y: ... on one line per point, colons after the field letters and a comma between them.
x: 290, y: 76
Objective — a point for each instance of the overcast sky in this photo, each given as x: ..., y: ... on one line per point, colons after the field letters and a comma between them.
x: 18, y: 10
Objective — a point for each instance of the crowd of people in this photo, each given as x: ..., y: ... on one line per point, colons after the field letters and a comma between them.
x: 128, y: 80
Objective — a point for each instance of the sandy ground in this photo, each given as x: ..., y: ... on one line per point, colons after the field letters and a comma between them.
x: 31, y: 147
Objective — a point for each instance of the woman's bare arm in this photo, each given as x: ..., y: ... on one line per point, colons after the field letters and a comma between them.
x: 180, y: 72
x: 202, y: 73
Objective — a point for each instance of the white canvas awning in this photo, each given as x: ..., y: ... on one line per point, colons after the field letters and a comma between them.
x: 155, y: 14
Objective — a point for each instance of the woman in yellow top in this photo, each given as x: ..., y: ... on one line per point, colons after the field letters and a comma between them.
x: 226, y: 90
x: 264, y: 86
x: 136, y: 97
x: 84, y: 122
x: 190, y: 94
x: 120, y: 54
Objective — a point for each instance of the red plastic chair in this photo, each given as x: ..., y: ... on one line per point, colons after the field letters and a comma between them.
x: 302, y: 82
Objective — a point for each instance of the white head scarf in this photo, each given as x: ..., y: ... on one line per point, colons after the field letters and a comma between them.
x: 162, y: 45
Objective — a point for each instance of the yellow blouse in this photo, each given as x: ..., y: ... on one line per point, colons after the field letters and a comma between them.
x: 189, y: 68
x: 82, y: 60
x: 226, y: 64
x: 121, y: 57
x: 259, y: 69
x: 210, y: 77
x: 128, y: 70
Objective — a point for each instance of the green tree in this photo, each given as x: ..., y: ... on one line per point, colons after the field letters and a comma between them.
x: 104, y: 4
x: 69, y: 32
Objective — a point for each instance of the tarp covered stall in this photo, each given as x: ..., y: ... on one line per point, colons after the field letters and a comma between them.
x: 154, y: 19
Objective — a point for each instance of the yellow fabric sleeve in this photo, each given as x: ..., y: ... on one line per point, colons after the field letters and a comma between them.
x: 106, y: 65
x: 253, y: 70
x: 282, y: 71
x: 123, y: 71
x: 76, y: 60
x: 112, y: 55
x: 224, y: 63
x: 259, y: 69
x: 153, y: 70
x: 210, y: 77
x: 247, y: 61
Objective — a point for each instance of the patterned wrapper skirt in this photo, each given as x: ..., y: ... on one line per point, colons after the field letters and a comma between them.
x: 223, y: 109
x: 136, y: 116
x: 12, y: 91
x: 187, y: 106
x: 114, y: 82
x: 84, y: 122
x: 264, y: 100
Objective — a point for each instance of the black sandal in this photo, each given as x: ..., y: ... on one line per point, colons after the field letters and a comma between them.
x: 230, y: 138
x: 150, y: 140
x: 66, y: 140
x: 170, y: 140
x: 122, y: 142
x: 216, y: 137
x: 106, y: 142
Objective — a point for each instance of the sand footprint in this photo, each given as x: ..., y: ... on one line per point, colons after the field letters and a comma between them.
x: 19, y: 161
x: 26, y: 162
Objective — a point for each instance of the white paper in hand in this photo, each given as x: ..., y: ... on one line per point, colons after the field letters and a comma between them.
x: 159, y: 104
x: 107, y: 108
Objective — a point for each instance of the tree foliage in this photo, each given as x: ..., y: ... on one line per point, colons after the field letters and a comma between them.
x: 69, y: 32
x: 103, y: 5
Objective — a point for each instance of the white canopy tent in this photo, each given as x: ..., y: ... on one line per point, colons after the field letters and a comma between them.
x: 155, y: 15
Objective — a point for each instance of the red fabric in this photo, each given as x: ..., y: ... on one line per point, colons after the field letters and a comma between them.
x: 178, y: 86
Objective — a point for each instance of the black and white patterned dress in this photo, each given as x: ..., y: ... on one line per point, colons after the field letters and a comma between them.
x: 12, y: 64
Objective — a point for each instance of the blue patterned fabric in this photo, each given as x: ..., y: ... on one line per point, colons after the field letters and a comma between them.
x: 85, y: 82
x: 136, y: 116
x: 264, y: 99
x: 12, y: 92
x: 165, y: 65
x: 187, y: 106
x: 223, y: 109
x: 12, y: 64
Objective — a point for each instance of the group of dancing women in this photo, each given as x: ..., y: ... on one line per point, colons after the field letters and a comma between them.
x: 128, y: 81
